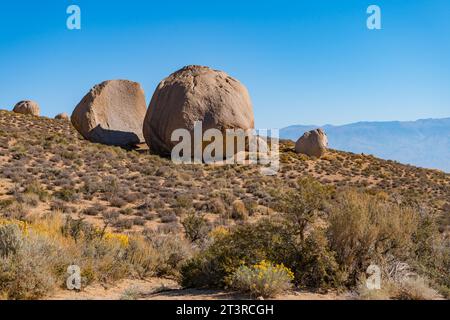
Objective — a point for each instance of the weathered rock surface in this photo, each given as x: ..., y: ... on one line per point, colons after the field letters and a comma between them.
x: 62, y: 116
x: 313, y: 143
x: 195, y: 93
x: 112, y: 113
x: 27, y: 107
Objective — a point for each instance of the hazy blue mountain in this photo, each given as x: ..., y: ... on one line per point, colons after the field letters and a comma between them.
x: 423, y: 143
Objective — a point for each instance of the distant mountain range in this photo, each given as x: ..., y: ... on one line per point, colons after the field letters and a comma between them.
x: 423, y: 143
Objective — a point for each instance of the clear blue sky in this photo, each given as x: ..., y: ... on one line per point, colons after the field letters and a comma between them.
x: 304, y: 62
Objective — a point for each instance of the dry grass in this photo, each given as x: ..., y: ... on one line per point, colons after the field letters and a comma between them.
x: 34, y: 256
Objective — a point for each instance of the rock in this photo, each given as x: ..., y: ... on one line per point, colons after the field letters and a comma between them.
x: 27, y: 107
x: 62, y: 116
x: 112, y: 113
x: 313, y: 143
x: 195, y: 93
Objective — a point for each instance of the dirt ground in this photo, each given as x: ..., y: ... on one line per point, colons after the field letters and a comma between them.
x: 165, y: 289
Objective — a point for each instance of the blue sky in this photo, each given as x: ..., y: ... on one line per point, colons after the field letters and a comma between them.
x: 304, y: 62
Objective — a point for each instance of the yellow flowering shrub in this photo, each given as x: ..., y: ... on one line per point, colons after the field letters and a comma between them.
x: 123, y: 239
x: 52, y: 228
x: 218, y: 232
x: 263, y: 279
x: 21, y: 224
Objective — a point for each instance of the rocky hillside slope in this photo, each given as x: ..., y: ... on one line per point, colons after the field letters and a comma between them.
x: 133, y: 190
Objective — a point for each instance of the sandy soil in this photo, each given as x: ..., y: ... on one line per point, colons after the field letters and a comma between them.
x: 165, y: 289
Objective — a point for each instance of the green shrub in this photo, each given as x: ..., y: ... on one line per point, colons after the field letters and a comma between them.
x: 364, y: 230
x: 359, y: 230
x: 432, y: 254
x: 315, y: 264
x: 195, y: 227
x: 183, y: 201
x: 10, y: 239
x: 269, y: 239
x: 301, y: 206
x: 31, y: 272
x: 66, y: 194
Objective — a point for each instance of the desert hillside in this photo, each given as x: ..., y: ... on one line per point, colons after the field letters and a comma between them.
x: 134, y: 189
x: 47, y: 167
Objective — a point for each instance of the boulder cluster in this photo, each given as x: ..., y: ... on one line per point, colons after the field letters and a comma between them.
x: 114, y: 112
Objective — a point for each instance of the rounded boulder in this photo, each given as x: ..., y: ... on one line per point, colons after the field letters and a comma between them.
x: 27, y: 107
x: 195, y: 93
x: 112, y: 113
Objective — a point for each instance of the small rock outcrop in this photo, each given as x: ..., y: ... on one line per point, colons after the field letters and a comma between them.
x: 62, y: 116
x: 195, y: 93
x: 27, y: 107
x: 112, y: 113
x: 313, y: 143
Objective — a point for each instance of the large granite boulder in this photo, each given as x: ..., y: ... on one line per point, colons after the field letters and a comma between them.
x: 195, y: 93
x: 112, y: 113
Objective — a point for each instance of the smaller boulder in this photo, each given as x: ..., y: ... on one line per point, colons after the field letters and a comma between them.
x: 27, y: 107
x: 62, y: 116
x: 313, y: 143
